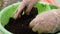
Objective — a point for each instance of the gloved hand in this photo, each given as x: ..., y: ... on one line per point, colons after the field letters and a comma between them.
x: 46, y: 22
x: 25, y: 3
x: 29, y: 4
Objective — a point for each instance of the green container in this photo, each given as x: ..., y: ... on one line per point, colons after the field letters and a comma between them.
x: 8, y: 12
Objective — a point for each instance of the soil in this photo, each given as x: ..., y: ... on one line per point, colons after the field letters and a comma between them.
x: 21, y: 25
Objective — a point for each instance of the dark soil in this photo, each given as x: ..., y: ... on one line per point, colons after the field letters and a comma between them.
x: 21, y: 25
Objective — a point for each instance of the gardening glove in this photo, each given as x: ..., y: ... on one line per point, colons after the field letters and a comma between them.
x: 46, y: 22
x: 25, y: 3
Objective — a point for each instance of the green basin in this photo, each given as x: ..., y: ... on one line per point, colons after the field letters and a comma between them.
x: 8, y: 12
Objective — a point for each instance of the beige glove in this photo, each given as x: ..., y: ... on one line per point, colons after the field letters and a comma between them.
x: 46, y: 22
x: 28, y: 3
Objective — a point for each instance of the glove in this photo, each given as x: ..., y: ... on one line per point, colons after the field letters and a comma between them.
x: 46, y: 22
x: 25, y: 3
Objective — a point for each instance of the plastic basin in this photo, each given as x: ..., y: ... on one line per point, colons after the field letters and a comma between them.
x: 8, y: 12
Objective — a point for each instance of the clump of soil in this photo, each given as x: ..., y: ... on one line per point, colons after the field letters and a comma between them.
x: 21, y: 25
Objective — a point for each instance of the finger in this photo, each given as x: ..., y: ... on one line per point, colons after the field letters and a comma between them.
x: 30, y: 6
x: 36, y: 23
x: 16, y: 15
x: 36, y: 20
x: 36, y: 27
x: 32, y: 23
x: 19, y: 10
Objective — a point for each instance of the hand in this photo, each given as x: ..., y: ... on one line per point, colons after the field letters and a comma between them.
x: 30, y: 4
x: 25, y: 3
x: 46, y: 22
